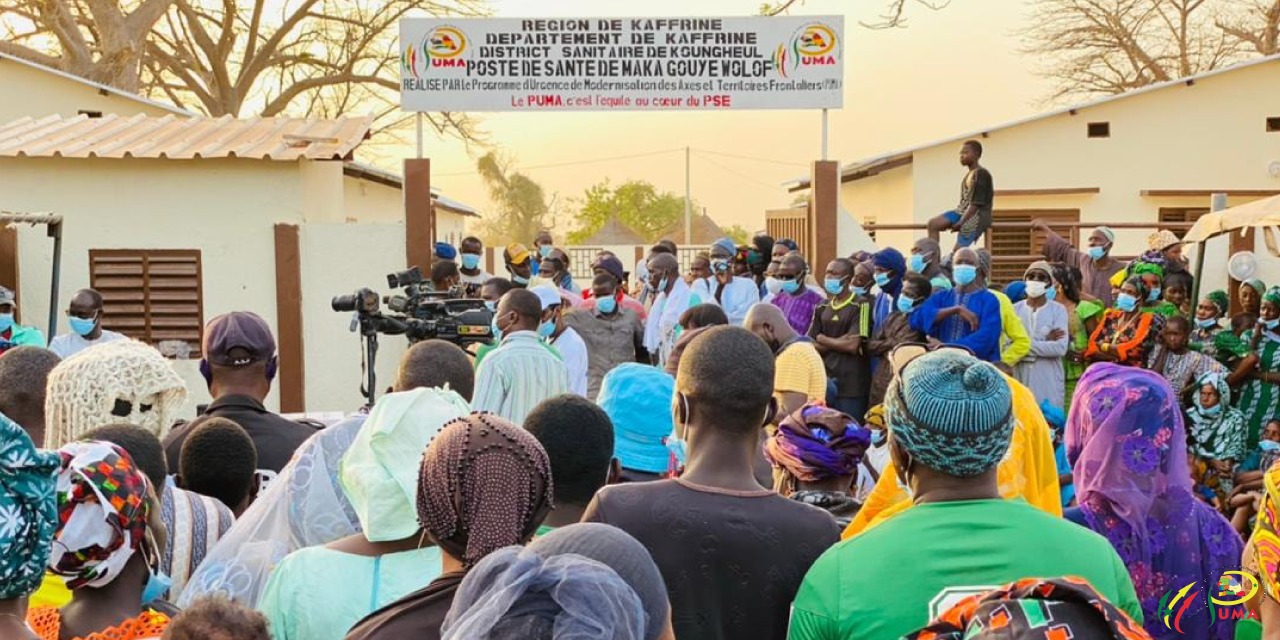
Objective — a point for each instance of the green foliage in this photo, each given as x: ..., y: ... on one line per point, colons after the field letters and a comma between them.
x: 520, y: 205
x: 636, y: 203
x: 738, y: 234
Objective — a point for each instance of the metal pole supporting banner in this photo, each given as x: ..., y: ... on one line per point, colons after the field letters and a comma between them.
x: 688, y: 201
x: 1217, y: 202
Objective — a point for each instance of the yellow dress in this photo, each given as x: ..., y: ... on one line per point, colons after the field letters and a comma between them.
x: 1027, y: 471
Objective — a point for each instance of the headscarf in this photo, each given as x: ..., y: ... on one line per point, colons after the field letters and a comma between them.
x: 304, y: 506
x: 584, y: 581
x: 727, y: 246
x: 1218, y: 435
x: 1219, y: 300
x: 379, y: 474
x: 1018, y: 610
x: 1266, y: 535
x: 1143, y: 267
x: 1028, y: 471
x: 485, y: 484
x: 1127, y: 448
x: 816, y: 443
x: 1257, y: 285
x: 1272, y: 295
x: 891, y: 259
x: 84, y: 391
x: 984, y: 262
x: 28, y: 511
x: 103, y: 506
x: 637, y: 398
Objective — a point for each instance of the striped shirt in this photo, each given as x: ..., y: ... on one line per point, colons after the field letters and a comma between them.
x: 517, y: 375
x: 195, y: 524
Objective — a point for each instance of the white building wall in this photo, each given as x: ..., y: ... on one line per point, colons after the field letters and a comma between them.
x: 225, y: 208
x: 37, y: 93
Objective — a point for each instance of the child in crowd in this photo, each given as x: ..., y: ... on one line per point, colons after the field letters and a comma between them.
x: 1176, y: 294
x: 1248, y: 491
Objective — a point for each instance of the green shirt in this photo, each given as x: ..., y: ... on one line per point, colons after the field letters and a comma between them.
x: 895, y: 578
x: 21, y: 336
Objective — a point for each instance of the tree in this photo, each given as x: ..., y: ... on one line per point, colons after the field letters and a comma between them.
x: 520, y: 205
x: 635, y: 203
x: 235, y: 57
x: 894, y: 13
x: 1104, y: 47
x: 738, y: 234
x: 1254, y: 24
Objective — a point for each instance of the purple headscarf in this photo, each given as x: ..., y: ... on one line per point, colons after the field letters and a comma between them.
x: 1127, y: 447
x: 816, y: 443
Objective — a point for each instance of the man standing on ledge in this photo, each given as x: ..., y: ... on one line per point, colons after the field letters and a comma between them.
x: 84, y: 316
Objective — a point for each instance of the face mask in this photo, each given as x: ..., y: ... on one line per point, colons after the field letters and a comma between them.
x: 877, y: 437
x: 1126, y: 302
x: 520, y: 280
x: 81, y: 326
x: 6, y: 322
x: 1206, y: 323
x: 677, y: 331
x: 1154, y: 295
x: 790, y: 286
x: 543, y: 280
x: 678, y: 448
x: 491, y: 305
x: 607, y: 305
x: 964, y: 274
x: 882, y: 279
x: 833, y: 285
x: 772, y: 285
x: 547, y: 328
x: 719, y: 266
x: 859, y: 291
x: 1035, y: 288
x: 1214, y: 410
x: 1051, y: 293
x: 1270, y: 446
x: 497, y: 331
x: 545, y: 250
x: 918, y: 263
x: 1271, y: 324
x: 1096, y: 253
x: 157, y: 584
x: 470, y: 260
x: 906, y: 303
x: 662, y: 285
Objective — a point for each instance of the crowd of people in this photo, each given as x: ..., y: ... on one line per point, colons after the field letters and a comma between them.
x: 750, y: 447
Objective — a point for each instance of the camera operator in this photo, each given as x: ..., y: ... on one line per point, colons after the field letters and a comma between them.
x: 445, y: 278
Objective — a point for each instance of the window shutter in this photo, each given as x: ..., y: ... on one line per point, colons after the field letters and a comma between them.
x: 151, y: 295
x: 1012, y: 250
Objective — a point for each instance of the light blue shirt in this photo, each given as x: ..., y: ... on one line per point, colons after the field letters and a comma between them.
x: 518, y: 375
x: 736, y: 299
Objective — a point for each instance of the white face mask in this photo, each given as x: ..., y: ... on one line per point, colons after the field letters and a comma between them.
x: 772, y: 285
x: 1035, y: 288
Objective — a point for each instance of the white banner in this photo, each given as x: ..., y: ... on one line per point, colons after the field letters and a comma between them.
x: 621, y: 64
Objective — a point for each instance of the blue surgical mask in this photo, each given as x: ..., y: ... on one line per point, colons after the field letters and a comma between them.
x: 547, y: 328
x: 906, y: 303
x: 790, y: 286
x: 157, y: 585
x: 1206, y: 323
x: 964, y: 274
x: 1269, y: 446
x: 519, y: 279
x: 1154, y: 295
x: 662, y: 285
x: 1214, y: 410
x: 607, y: 305
x: 1271, y: 324
x: 877, y: 437
x: 882, y: 279
x: 491, y: 305
x: 6, y: 322
x: 859, y: 291
x: 677, y: 447
x: 497, y: 331
x: 918, y: 263
x: 833, y: 285
x: 1096, y: 253
x: 470, y: 260
x: 1051, y: 293
x: 545, y: 250
x: 81, y: 326
x: 1126, y: 302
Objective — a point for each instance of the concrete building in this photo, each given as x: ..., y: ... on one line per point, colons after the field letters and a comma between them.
x: 1150, y: 156
x: 178, y: 218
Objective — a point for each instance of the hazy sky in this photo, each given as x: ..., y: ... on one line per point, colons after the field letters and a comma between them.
x: 947, y: 73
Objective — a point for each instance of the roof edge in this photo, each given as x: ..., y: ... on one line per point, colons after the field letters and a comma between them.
x: 128, y: 95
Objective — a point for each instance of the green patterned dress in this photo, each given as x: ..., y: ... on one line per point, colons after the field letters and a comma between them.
x: 1260, y: 401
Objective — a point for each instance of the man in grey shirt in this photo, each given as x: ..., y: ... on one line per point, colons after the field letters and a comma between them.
x: 614, y: 334
x: 84, y: 317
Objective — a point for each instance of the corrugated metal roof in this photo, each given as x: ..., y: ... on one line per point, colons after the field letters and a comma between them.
x: 178, y: 138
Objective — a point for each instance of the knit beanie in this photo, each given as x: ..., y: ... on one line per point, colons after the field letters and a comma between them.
x: 951, y: 412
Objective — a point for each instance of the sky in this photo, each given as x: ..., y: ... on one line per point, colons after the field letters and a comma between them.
x: 947, y: 72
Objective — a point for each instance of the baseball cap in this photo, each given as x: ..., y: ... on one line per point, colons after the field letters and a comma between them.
x: 446, y: 251
x: 517, y: 253
x: 7, y: 296
x: 548, y: 295
x: 238, y: 339
x: 611, y: 265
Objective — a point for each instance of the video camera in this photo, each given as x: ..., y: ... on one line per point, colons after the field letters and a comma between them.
x: 418, y: 314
